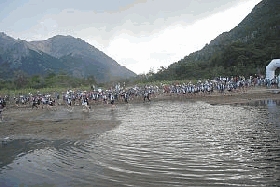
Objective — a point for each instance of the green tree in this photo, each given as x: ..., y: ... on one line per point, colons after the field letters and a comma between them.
x: 20, y: 79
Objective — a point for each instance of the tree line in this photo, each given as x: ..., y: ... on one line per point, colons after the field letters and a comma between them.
x: 21, y: 80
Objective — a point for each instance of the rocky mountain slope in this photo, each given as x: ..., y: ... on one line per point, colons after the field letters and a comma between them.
x: 58, y: 54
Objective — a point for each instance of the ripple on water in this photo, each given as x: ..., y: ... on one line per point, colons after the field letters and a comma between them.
x: 162, y: 144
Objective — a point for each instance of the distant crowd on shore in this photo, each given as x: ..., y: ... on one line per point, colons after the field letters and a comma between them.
x: 121, y: 94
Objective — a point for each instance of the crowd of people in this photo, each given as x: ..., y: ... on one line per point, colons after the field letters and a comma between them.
x: 118, y: 93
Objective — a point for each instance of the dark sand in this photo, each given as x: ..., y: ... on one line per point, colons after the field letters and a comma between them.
x: 20, y: 123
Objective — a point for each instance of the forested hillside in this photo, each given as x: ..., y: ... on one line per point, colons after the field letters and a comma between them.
x: 244, y: 50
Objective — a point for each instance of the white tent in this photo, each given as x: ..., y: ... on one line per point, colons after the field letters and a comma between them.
x: 271, y: 67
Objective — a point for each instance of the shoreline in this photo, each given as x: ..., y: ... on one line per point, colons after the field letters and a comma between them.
x: 251, y: 95
x: 27, y: 123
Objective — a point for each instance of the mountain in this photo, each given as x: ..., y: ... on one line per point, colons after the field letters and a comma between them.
x: 244, y: 50
x: 58, y: 54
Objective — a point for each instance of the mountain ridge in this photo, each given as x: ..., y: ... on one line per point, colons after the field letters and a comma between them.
x: 59, y: 54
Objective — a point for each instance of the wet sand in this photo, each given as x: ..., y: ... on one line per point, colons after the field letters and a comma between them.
x: 57, y: 123
x: 25, y: 123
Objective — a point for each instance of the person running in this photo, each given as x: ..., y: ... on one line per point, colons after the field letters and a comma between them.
x: 85, y: 104
x: 112, y: 98
x: 34, y: 102
x: 2, y: 106
x: 69, y: 101
x: 104, y: 96
x: 146, y: 95
x: 51, y: 104
x: 69, y: 104
x: 125, y: 97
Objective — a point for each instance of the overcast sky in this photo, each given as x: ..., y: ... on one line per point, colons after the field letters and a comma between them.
x: 139, y: 34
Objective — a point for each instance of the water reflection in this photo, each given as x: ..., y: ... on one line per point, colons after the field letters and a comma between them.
x: 265, y: 103
x: 269, y: 107
x: 158, y: 144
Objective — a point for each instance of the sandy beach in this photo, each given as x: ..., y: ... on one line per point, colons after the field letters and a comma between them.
x: 20, y: 123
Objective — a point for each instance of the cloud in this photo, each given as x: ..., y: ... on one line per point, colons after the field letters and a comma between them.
x: 138, y: 16
x: 170, y: 44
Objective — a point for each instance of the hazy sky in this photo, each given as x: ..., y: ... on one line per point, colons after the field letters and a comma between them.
x: 139, y: 34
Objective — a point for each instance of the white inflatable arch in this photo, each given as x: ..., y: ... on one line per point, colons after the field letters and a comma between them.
x: 271, y: 67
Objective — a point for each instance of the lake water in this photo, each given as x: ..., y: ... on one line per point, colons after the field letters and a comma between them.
x: 165, y: 143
